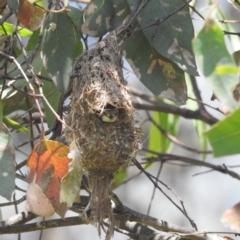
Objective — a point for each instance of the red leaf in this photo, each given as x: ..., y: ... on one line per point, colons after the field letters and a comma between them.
x: 30, y: 15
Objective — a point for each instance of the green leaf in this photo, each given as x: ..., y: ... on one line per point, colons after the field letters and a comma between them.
x: 158, y: 74
x: 225, y: 69
x: 157, y: 141
x: 1, y: 111
x: 122, y: 10
x: 236, y: 57
x: 78, y: 49
x: 70, y: 184
x: 211, y: 52
x: 59, y: 41
x: 98, y: 15
x: 199, y: 126
x: 52, y: 94
x: 14, y: 103
x: 173, y: 37
x: 7, y: 163
x: 219, y: 14
x: 224, y: 136
x: 14, y: 4
x: 76, y: 16
x: 14, y: 125
x: 9, y: 28
x: 33, y: 40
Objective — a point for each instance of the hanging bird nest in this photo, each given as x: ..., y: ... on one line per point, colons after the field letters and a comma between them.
x: 101, y: 116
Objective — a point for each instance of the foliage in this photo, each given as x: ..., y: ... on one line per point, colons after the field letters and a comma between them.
x: 40, y: 55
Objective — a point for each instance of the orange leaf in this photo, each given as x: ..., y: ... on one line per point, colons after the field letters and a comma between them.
x: 30, y: 15
x: 48, y: 154
x: 48, y: 164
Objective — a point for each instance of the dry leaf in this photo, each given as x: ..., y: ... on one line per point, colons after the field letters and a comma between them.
x: 231, y: 217
x: 48, y: 164
x: 37, y: 202
x: 227, y: 238
x: 30, y: 15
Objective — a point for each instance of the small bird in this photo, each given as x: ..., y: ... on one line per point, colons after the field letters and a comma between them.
x: 110, y: 114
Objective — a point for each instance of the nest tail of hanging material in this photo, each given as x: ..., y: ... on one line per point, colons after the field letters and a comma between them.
x: 101, y: 117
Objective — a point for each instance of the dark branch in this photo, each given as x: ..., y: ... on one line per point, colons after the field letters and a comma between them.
x: 158, y: 105
x: 71, y: 221
x: 171, y: 157
x: 232, y: 33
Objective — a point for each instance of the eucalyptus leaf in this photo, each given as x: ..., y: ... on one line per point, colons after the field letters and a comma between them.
x: 59, y: 41
x: 122, y: 10
x: 171, y: 38
x: 98, y: 15
x: 76, y: 16
x: 161, y: 76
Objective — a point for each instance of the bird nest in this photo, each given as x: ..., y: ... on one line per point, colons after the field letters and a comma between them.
x: 101, y: 117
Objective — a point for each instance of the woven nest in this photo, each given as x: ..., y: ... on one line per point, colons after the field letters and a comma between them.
x: 105, y: 146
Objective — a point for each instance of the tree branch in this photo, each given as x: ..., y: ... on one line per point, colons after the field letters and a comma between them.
x: 144, y: 232
x: 125, y: 218
x: 167, y: 108
x: 232, y: 33
x: 161, y: 106
x: 70, y: 221
x: 171, y: 157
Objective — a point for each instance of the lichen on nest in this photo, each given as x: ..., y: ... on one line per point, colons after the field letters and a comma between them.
x: 105, y: 147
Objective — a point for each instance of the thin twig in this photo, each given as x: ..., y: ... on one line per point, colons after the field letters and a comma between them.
x: 172, y: 157
x: 36, y: 138
x: 137, y: 9
x: 195, y: 10
x: 221, y: 21
x: 28, y: 81
x: 232, y: 33
x: 154, y: 189
x: 150, y: 178
x: 205, y: 104
x: 6, y: 16
x: 174, y: 139
x: 159, y: 22
x: 30, y: 116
